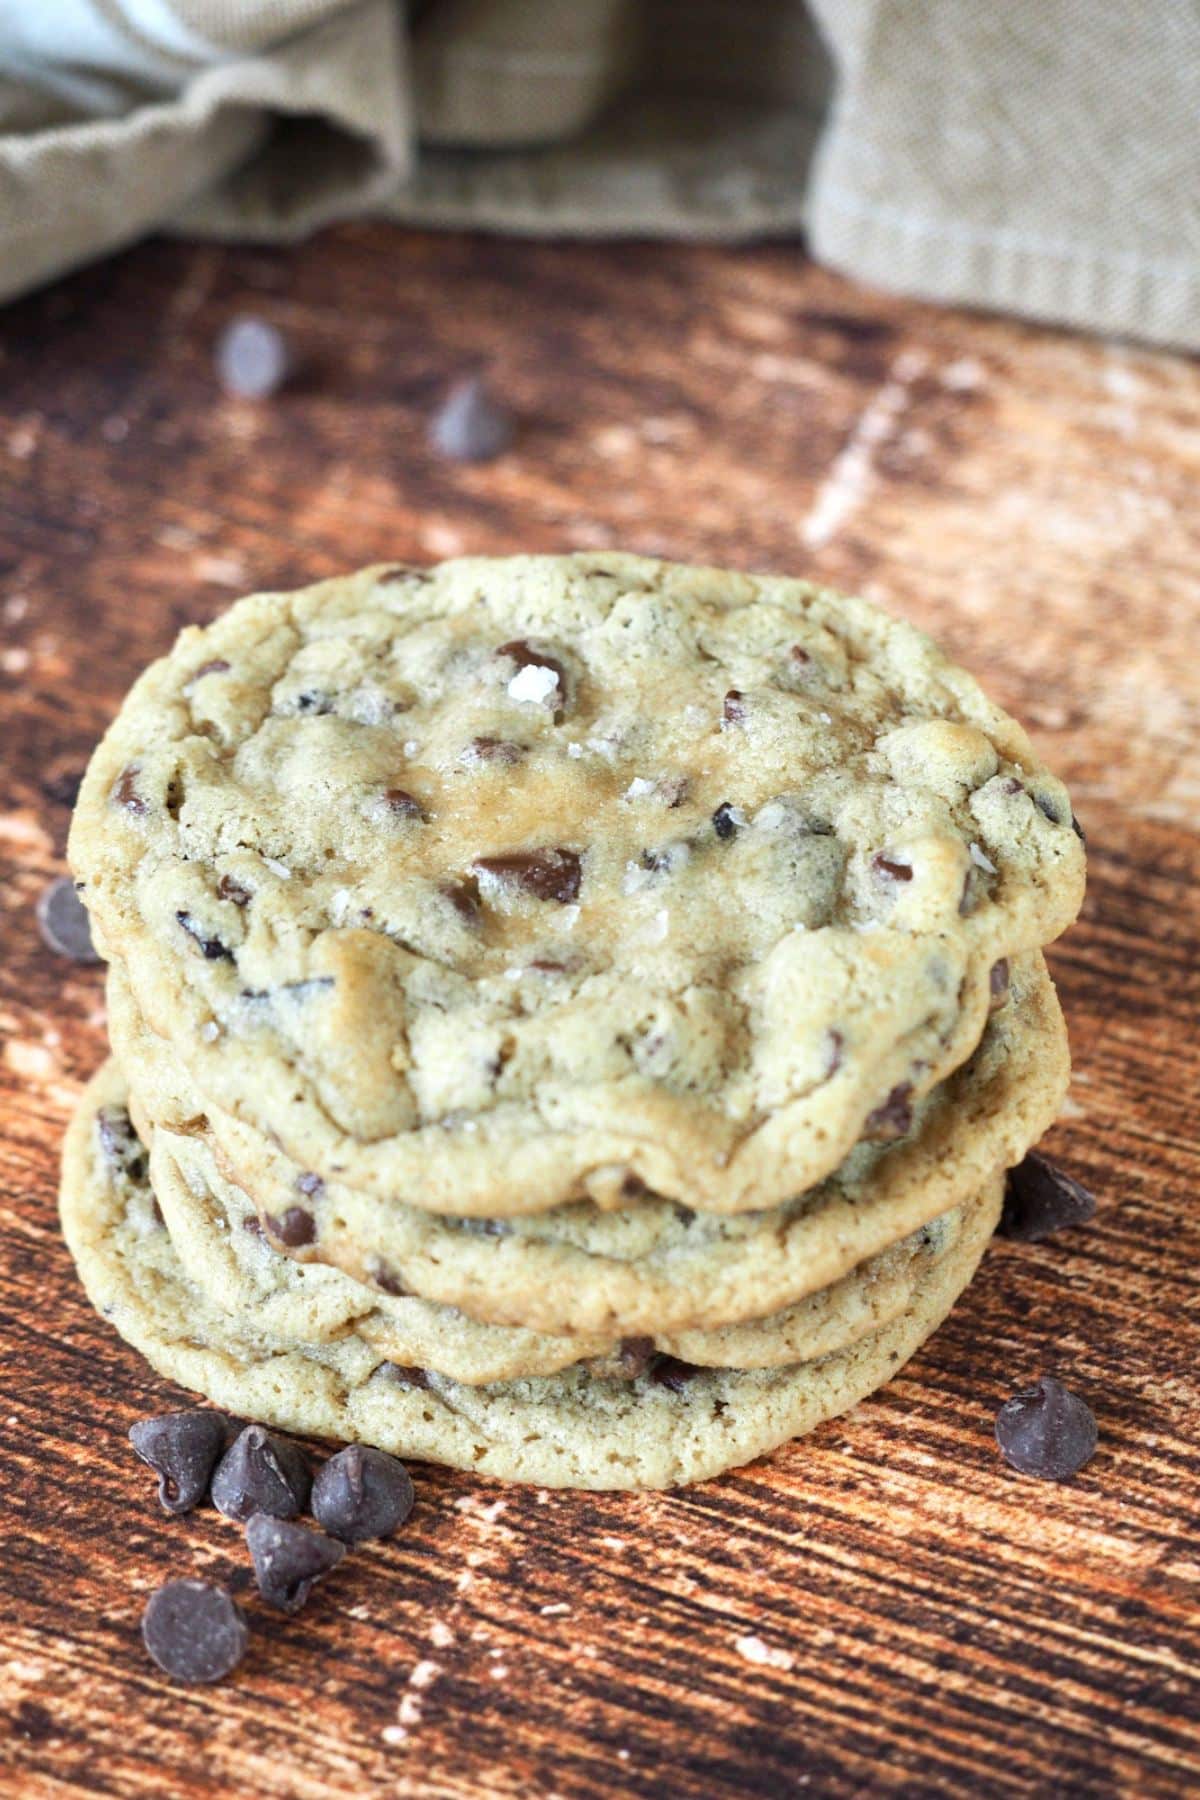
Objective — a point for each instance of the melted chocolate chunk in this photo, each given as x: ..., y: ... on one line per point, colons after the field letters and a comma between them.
x: 634, y: 1355
x: 733, y: 708
x: 998, y: 984
x: 194, y: 1631
x: 1047, y: 1431
x: 361, y: 1493
x: 260, y: 1473
x: 405, y: 1375
x: 125, y: 792
x: 404, y: 804
x: 211, y: 948
x: 548, y: 874
x: 119, y: 1141
x: 723, y: 821
x: 526, y: 657
x: 463, y: 896
x: 670, y: 1372
x: 229, y: 888
x: 182, y: 1448
x: 295, y: 1227
x: 387, y: 1281
x: 63, y: 922
x: 1040, y: 1199
x: 288, y: 1559
x: 887, y: 865
x: 497, y: 750
x: 893, y: 1119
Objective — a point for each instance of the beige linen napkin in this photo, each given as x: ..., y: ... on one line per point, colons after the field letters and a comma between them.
x: 1040, y: 156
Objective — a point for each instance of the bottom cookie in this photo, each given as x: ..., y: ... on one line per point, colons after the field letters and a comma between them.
x: 671, y: 1425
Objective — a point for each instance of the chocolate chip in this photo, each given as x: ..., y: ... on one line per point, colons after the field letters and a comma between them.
x: 671, y: 1373
x: 1048, y: 809
x: 1040, y: 1200
x: 490, y: 749
x: 1012, y: 786
x: 63, y: 922
x: 252, y: 359
x: 315, y: 702
x: 253, y: 1224
x: 125, y: 791
x: 833, y: 1061
x: 733, y: 708
x: 361, y: 1493
x: 547, y: 874
x: 194, y: 1631
x: 463, y: 896
x: 723, y: 821
x: 404, y: 804
x: 261, y: 1473
x: 218, y: 666
x: 387, y: 1281
x: 1077, y: 828
x: 1046, y: 1431
x: 404, y: 1374
x: 182, y: 1448
x: 119, y: 1141
x: 893, y: 1119
x: 295, y: 1227
x: 634, y: 1355
x: 887, y: 865
x: 212, y: 949
x: 525, y: 656
x: 470, y: 426
x: 799, y: 654
x: 998, y: 984
x: 288, y: 1559
x: 230, y: 889
x: 309, y: 1183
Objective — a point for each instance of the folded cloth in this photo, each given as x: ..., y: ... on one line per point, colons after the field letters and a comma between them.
x: 1040, y: 157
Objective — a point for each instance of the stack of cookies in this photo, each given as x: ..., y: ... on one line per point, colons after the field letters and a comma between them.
x: 571, y: 1016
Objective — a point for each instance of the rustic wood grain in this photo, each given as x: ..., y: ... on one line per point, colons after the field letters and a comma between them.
x: 884, y: 1608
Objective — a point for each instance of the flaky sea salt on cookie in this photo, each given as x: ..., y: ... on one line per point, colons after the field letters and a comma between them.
x: 491, y: 885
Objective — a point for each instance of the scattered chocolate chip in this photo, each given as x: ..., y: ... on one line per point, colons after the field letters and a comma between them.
x: 1048, y: 809
x: 194, y: 1631
x: 309, y: 1183
x: 404, y: 804
x: 833, y: 1061
x: 294, y: 1227
x: 261, y: 1473
x: 671, y: 1373
x: 182, y: 1448
x: 388, y: 1282
x: 799, y: 655
x: 665, y: 859
x: 212, y: 949
x: 733, y: 708
x: 63, y: 922
x: 887, y: 865
x: 403, y: 572
x: 218, y: 666
x: 315, y: 702
x: 1046, y: 1431
x: 547, y: 874
x: 252, y: 359
x: 1077, y: 828
x: 230, y: 889
x: 490, y: 749
x: 253, y: 1224
x: 723, y: 821
x: 545, y: 965
x: 361, y: 1493
x: 1040, y: 1200
x: 635, y: 1354
x: 1013, y: 786
x: 998, y: 984
x: 405, y: 1375
x: 288, y: 1559
x: 893, y: 1119
x: 125, y: 791
x: 463, y: 896
x: 470, y: 426
x: 121, y: 1145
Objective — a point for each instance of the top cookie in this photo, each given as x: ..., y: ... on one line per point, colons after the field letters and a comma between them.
x: 514, y: 880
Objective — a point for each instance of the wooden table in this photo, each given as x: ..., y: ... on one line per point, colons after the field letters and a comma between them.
x: 883, y: 1608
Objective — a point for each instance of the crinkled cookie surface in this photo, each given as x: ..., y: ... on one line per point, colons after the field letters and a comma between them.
x: 510, y: 881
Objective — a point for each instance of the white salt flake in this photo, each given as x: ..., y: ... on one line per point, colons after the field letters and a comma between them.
x: 210, y: 1031
x: 766, y: 1655
x: 534, y: 684
x: 982, y: 860
x: 575, y: 750
x: 639, y: 788
x: 278, y: 868
x: 411, y: 746
x: 771, y: 816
